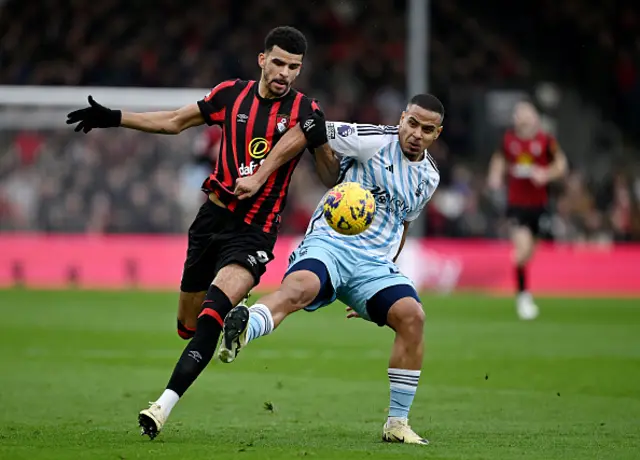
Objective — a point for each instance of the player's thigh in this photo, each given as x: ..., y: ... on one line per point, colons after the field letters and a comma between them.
x: 242, y: 259
x: 374, y: 289
x: 523, y: 227
x: 202, y: 250
x: 525, y: 221
x: 318, y: 269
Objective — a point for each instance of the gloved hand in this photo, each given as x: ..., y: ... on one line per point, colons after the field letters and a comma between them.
x: 94, y: 116
x: 314, y: 129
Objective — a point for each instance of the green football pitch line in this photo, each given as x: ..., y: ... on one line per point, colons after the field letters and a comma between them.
x: 78, y: 366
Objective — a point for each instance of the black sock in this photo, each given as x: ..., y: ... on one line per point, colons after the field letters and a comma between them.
x: 522, y: 279
x: 200, y: 350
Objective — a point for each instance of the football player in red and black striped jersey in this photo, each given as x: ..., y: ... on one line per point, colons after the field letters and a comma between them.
x: 230, y: 241
x: 531, y: 158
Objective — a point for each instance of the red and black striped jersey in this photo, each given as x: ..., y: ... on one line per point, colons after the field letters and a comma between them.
x: 251, y: 126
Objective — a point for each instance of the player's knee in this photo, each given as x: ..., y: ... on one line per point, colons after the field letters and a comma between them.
x: 523, y: 244
x: 523, y: 252
x: 299, y: 289
x: 407, y: 317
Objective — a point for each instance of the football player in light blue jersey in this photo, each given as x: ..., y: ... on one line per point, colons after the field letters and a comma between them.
x: 394, y: 164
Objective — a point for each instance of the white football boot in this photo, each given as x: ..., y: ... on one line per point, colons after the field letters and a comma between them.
x: 526, y: 307
x: 151, y: 420
x: 398, y: 430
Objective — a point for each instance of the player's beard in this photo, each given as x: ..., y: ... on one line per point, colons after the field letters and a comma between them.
x: 273, y: 90
x: 411, y: 155
x: 278, y: 87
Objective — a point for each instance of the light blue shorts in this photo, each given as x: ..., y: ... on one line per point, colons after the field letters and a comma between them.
x: 354, y: 277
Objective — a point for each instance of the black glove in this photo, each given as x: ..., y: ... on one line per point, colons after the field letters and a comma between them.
x: 94, y: 116
x: 315, y: 130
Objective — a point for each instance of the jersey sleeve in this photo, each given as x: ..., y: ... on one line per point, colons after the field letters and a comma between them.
x: 307, y: 107
x: 348, y: 140
x: 214, y: 104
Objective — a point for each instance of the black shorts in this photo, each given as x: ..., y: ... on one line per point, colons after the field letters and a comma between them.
x: 218, y: 238
x: 527, y: 217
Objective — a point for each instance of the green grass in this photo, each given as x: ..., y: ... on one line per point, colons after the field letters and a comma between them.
x: 78, y: 366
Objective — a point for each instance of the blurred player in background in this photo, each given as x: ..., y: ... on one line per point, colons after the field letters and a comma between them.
x: 205, y: 154
x: 532, y: 159
x: 360, y: 270
x: 230, y: 241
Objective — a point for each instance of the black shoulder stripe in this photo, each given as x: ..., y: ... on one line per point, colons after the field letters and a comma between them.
x: 432, y: 161
x: 379, y: 129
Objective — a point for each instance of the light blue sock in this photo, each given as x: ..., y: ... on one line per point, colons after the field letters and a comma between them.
x: 260, y: 322
x: 403, y: 383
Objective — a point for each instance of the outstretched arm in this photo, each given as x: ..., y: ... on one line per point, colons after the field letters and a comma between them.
x: 166, y: 122
x: 209, y: 110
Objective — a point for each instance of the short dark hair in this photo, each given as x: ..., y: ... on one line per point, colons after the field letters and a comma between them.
x: 429, y: 102
x: 288, y: 38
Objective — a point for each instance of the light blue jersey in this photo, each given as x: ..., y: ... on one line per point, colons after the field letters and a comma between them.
x: 371, y: 156
x: 360, y: 266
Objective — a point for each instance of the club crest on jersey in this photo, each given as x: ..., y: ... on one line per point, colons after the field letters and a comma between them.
x: 345, y: 130
x: 424, y: 184
x: 283, y: 122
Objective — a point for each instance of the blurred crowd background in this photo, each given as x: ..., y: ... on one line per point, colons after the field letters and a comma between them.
x: 577, y: 59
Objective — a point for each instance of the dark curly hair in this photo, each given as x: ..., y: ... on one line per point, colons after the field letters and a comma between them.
x: 288, y: 38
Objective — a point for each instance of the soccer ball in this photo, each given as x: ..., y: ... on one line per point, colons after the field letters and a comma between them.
x: 349, y: 209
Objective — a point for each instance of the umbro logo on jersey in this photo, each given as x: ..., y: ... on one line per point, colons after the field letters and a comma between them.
x: 389, y: 168
x: 242, y: 118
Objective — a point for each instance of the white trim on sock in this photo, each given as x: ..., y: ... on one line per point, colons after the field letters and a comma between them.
x: 264, y: 310
x: 404, y: 372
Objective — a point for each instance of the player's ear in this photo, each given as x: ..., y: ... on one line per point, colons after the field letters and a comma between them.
x: 262, y: 59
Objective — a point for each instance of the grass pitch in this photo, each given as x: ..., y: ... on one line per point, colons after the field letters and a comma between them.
x: 78, y: 366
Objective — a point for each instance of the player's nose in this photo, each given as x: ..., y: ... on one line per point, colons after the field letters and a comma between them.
x: 285, y: 75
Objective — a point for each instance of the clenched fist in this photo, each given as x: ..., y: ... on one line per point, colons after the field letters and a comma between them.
x: 246, y: 187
